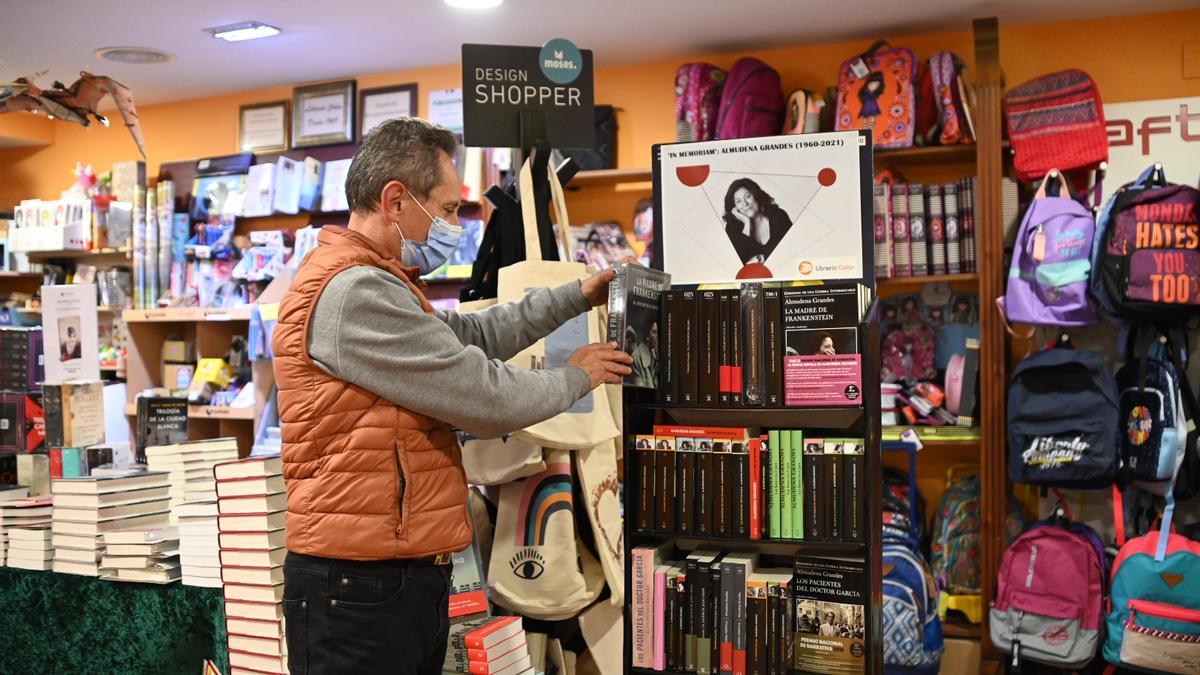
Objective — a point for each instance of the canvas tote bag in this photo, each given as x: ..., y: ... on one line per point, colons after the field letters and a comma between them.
x: 590, y: 421
x: 539, y: 568
x: 598, y: 479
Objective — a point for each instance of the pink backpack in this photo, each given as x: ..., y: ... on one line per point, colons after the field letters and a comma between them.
x: 752, y: 103
x: 697, y: 98
x: 1049, y: 596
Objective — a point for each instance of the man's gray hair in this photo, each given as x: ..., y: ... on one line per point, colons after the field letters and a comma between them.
x: 408, y: 150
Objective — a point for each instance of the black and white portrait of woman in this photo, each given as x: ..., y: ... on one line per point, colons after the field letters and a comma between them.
x: 754, y: 223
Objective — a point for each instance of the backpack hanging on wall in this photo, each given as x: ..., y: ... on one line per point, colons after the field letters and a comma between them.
x: 1154, y: 419
x: 1154, y: 618
x: 698, y: 89
x: 1153, y: 176
x: 1056, y: 120
x: 1048, y: 279
x: 876, y: 90
x: 945, y: 69
x: 1049, y: 595
x: 751, y: 102
x: 1149, y: 254
x: 1061, y: 407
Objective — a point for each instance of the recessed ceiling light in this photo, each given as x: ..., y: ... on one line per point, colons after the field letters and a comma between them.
x: 473, y: 4
x: 240, y: 32
x: 134, y: 55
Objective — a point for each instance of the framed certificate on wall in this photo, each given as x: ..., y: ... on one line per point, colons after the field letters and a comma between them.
x: 323, y: 114
x: 378, y: 105
x: 263, y: 127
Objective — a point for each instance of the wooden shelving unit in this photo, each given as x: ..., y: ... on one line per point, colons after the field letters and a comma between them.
x: 97, y: 256
x: 611, y: 177
x: 187, y: 314
x: 895, y: 284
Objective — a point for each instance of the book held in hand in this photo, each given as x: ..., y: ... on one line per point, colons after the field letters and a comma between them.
x: 634, y: 313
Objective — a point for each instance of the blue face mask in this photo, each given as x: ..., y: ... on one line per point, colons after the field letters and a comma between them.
x: 429, y: 255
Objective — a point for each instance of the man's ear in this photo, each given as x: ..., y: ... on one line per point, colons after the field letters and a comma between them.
x: 392, y: 200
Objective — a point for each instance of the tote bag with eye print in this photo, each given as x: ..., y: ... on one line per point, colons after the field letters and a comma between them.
x: 539, y: 568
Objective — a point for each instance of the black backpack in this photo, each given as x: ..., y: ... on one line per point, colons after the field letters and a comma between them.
x: 1062, y: 407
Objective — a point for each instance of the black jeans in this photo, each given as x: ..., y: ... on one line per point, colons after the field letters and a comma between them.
x: 345, y: 616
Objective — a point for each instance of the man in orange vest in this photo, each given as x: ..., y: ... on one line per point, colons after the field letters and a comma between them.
x: 372, y: 384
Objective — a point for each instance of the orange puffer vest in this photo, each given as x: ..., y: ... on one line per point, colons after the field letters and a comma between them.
x: 366, y: 479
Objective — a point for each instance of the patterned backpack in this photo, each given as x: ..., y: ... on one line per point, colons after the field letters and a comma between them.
x: 913, y: 641
x: 945, y: 69
x: 877, y: 90
x: 956, y: 540
x: 697, y: 99
x: 1056, y: 120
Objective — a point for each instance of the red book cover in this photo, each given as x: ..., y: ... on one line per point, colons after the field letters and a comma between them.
x: 755, y: 488
x: 739, y: 662
x: 726, y: 657
x: 473, y: 602
x: 475, y: 639
x: 699, y: 432
x: 56, y: 466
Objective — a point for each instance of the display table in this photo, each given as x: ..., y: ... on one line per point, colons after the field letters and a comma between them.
x: 62, y: 623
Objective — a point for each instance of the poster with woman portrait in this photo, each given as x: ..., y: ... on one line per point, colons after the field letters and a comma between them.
x: 784, y: 208
x: 71, y: 345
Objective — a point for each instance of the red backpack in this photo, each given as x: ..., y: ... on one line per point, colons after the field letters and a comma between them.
x: 697, y: 99
x: 1056, y: 120
x: 752, y: 103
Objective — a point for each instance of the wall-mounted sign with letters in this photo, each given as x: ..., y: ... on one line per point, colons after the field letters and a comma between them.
x: 500, y: 81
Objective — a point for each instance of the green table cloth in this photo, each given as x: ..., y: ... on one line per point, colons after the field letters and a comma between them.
x: 62, y: 623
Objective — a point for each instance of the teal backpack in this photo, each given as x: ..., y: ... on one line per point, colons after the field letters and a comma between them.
x: 955, y: 549
x: 1154, y: 624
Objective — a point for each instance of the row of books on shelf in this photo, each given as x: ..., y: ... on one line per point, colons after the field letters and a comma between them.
x: 756, y: 344
x: 738, y: 483
x: 922, y: 230
x: 713, y: 612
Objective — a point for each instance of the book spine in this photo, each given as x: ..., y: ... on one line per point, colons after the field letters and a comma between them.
x: 796, y: 486
x: 724, y: 355
x: 704, y: 621
x: 900, y: 230
x: 53, y: 417
x: 953, y: 252
x: 855, y: 464
x: 689, y: 359
x: 774, y: 631
x: 56, y: 463
x: 679, y: 620
x: 773, y: 345
x: 728, y: 617
x: 640, y: 629
x: 755, y: 489
x: 814, y: 492
x: 789, y: 628
x: 706, y: 483
x: 722, y: 488
x: 664, y: 489
x: 736, y: 349
x: 660, y: 620
x: 883, y: 254
x: 692, y: 625
x: 833, y: 483
x: 764, y: 488
x: 774, y: 495
x: 753, y: 384
x: 668, y: 384
x: 740, y: 503
x: 714, y: 645
x: 685, y: 491
x: 937, y: 231
x: 617, y: 289
x: 754, y: 635
x: 643, y: 454
x: 917, y: 233
x: 787, y: 484
x: 969, y: 226
x: 739, y: 619
x: 710, y: 319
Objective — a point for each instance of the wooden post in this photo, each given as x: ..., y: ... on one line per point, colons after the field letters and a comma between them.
x: 989, y: 120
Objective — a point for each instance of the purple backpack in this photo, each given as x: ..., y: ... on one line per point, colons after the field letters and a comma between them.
x: 752, y: 103
x: 1048, y: 280
x: 697, y: 99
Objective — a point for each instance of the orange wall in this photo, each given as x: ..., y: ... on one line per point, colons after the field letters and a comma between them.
x: 1131, y: 58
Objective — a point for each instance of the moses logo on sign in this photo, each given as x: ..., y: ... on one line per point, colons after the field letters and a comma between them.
x: 560, y: 61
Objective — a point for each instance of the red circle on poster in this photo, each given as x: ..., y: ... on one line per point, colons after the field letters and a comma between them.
x: 754, y: 271
x: 827, y: 177
x: 692, y: 176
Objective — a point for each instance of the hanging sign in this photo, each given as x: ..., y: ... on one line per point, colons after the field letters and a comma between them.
x: 1141, y: 133
x: 500, y: 81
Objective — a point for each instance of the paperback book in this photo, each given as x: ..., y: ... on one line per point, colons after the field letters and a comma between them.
x: 830, y: 595
x: 822, y: 365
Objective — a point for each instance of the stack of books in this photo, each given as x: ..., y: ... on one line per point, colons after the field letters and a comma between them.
x: 252, y: 506
x: 491, y: 645
x: 87, y: 507
x: 9, y: 493
x: 190, y: 465
x: 27, y: 512
x: 144, y: 555
x: 29, y: 547
x: 198, y: 557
